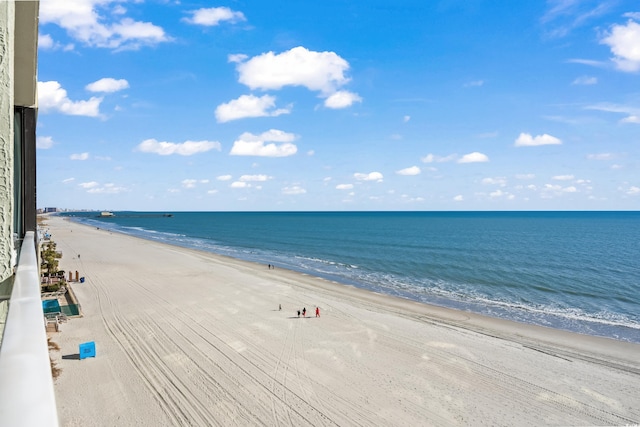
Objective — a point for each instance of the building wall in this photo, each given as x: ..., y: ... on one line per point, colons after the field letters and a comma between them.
x: 7, y: 29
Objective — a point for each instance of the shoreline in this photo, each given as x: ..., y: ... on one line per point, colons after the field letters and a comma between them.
x: 450, y: 304
x: 141, y: 309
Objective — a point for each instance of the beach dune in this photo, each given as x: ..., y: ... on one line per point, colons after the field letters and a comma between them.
x: 189, y: 338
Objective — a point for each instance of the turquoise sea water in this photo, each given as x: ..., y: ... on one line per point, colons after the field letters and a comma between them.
x: 578, y: 271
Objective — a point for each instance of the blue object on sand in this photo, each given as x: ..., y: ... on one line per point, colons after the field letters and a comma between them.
x: 87, y: 349
x: 82, y: 280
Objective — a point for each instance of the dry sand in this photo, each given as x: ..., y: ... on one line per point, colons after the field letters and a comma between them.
x: 189, y: 338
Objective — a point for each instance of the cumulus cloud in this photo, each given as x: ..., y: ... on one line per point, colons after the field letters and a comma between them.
x: 44, y: 142
x: 239, y: 184
x: 53, y: 98
x: 79, y: 156
x: 272, y: 143
x: 344, y: 186
x: 431, y: 158
x: 45, y: 42
x: 210, y: 17
x: 323, y: 72
x: 413, y: 170
x: 623, y: 40
x: 224, y: 178
x: 563, y: 177
x: 342, y: 99
x: 633, y: 191
x: 474, y: 157
x: 527, y: 140
x: 249, y: 106
x: 107, y: 84
x: 187, y: 148
x: 631, y: 119
x: 372, y: 176
x: 255, y: 178
x: 99, y: 23
x: 500, y: 180
x: 458, y: 198
x: 317, y: 71
x: 293, y: 190
x: 87, y: 185
x: 189, y: 183
x: 406, y: 119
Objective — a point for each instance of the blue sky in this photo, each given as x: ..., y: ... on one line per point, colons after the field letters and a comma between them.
x: 339, y: 105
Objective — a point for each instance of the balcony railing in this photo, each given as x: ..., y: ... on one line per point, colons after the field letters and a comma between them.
x: 26, y: 383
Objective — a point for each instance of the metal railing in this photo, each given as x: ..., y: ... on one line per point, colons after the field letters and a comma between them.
x: 26, y: 384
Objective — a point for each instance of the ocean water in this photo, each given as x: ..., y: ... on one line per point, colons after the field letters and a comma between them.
x: 578, y: 271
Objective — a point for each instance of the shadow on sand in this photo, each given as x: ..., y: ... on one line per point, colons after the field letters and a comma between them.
x: 75, y: 356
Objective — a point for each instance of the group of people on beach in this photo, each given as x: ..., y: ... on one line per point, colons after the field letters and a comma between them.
x: 304, y: 312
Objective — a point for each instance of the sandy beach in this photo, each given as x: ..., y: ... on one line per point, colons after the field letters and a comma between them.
x: 190, y: 338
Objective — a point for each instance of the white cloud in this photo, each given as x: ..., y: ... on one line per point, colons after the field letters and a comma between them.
x: 342, y: 99
x: 458, y: 198
x: 213, y: 16
x: 187, y: 148
x: 293, y: 190
x: 81, y: 156
x: 563, y: 177
x: 633, y: 191
x: 53, y: 98
x: 526, y: 140
x: 68, y: 180
x: 590, y: 62
x: 631, y: 119
x: 600, y: 156
x: 585, y: 80
x: 633, y: 112
x: 107, y: 84
x: 108, y: 188
x: 413, y: 170
x: 499, y: 193
x: 500, y: 180
x: 372, y: 176
x: 317, y: 71
x: 224, y: 178
x: 88, y: 185
x: 249, y: 106
x: 430, y: 158
x: 344, y: 186
x: 406, y: 119
x: 474, y: 157
x: 624, y: 42
x: 189, y: 183
x: 44, y: 142
x: 95, y: 23
x: 258, y: 145
x: 255, y: 178
x: 239, y: 184
x: 45, y: 42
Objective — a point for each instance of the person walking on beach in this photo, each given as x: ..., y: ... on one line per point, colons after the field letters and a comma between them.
x: 304, y: 312
x: 279, y: 307
x: 298, y: 313
x: 317, y: 311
